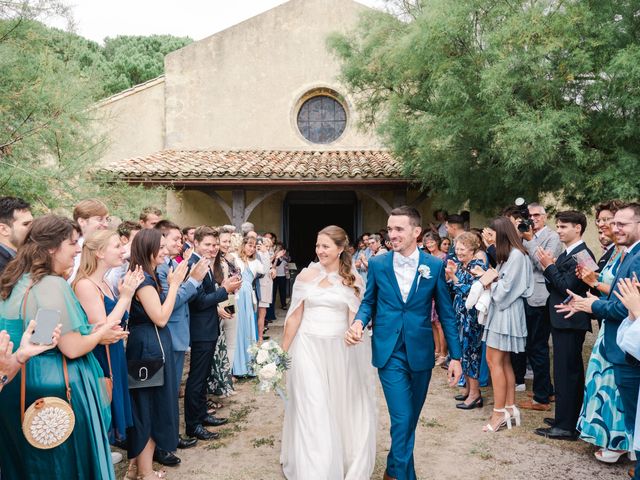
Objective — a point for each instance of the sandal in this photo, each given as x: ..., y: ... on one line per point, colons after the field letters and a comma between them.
x: 609, y: 456
x: 506, y: 421
x: 214, y: 404
x: 132, y: 472
x: 154, y: 475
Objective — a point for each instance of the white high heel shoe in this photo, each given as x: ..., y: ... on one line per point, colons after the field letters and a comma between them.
x: 506, y: 421
x: 515, y: 415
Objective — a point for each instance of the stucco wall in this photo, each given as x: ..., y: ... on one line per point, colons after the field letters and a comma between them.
x: 132, y: 122
x: 238, y: 89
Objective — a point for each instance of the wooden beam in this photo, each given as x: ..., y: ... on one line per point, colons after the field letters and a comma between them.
x: 376, y: 197
x: 262, y: 196
x: 399, y: 198
x: 237, y: 208
x: 424, y: 195
x: 223, y: 204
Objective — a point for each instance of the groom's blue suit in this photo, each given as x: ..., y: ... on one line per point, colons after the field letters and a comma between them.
x: 403, y: 348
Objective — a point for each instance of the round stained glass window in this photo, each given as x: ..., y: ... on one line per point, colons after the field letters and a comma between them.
x: 322, y: 119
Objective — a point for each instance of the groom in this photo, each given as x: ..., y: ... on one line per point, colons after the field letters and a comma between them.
x: 398, y: 300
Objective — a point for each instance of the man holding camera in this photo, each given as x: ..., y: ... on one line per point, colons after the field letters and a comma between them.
x: 536, y: 309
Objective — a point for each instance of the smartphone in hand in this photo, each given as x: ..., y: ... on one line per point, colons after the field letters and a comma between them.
x: 46, y: 322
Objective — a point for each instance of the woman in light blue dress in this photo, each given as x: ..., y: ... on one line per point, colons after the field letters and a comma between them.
x: 246, y: 306
x: 601, y: 420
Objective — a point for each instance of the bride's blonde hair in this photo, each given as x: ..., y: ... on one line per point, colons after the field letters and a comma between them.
x: 340, y: 238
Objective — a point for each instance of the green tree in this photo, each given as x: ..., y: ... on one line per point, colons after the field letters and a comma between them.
x: 131, y: 60
x: 47, y: 145
x: 486, y: 100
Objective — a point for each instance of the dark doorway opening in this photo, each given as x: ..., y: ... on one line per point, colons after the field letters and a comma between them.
x: 307, y: 213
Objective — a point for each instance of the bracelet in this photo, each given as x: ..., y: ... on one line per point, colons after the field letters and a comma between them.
x: 18, y: 359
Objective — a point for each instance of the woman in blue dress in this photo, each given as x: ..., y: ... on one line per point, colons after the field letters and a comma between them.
x: 460, y: 278
x: 601, y: 420
x: 250, y: 267
x: 102, y: 251
x: 34, y: 280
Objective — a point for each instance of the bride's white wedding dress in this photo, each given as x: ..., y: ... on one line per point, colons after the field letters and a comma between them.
x: 329, y: 430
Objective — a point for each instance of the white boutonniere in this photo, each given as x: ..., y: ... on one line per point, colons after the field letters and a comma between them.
x: 425, y: 272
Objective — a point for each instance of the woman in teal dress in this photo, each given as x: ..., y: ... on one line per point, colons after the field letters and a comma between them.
x: 601, y: 420
x: 47, y: 255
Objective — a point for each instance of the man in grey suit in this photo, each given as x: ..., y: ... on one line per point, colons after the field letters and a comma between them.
x: 536, y: 309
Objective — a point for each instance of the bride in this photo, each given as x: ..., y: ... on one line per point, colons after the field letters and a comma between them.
x: 329, y: 430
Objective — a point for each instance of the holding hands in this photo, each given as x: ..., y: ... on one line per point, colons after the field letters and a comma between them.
x: 353, y: 336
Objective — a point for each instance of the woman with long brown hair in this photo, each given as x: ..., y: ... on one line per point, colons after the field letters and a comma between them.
x: 505, y: 330
x: 155, y: 415
x: 330, y: 419
x: 220, y: 380
x: 102, y: 251
x: 35, y: 280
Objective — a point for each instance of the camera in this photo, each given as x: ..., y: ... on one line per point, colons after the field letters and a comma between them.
x: 523, y: 209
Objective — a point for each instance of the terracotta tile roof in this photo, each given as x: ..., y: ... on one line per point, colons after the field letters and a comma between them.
x: 207, y: 166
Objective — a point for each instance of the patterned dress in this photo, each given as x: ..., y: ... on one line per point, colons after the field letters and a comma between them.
x: 220, y: 381
x: 601, y: 420
x: 470, y: 329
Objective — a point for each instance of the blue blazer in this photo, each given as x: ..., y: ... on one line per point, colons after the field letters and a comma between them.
x: 613, y: 311
x: 179, y: 319
x: 392, y: 317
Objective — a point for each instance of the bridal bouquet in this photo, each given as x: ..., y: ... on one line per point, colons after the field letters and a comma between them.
x: 268, y: 363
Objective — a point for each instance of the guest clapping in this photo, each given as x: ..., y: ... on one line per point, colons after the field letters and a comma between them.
x: 460, y: 278
x: 102, y: 251
x: 35, y: 280
x: 505, y: 330
x: 155, y: 409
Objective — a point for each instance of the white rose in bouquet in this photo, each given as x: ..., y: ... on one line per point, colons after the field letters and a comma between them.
x: 267, y: 372
x: 262, y: 357
x: 266, y: 345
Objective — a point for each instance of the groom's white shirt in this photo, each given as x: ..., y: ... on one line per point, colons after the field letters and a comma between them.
x: 405, y: 269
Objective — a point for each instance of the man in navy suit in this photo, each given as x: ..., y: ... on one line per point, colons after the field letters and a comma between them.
x: 401, y: 287
x: 626, y: 228
x: 204, y: 331
x: 567, y: 333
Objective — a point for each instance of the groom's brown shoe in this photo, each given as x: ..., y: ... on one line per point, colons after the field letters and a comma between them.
x: 387, y: 477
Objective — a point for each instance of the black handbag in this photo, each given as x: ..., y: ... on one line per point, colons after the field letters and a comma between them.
x: 148, y: 372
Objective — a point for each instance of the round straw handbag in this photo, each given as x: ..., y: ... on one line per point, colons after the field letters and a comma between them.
x: 48, y: 421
